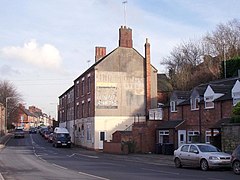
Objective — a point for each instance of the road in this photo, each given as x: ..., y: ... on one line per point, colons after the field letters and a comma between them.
x: 34, y: 158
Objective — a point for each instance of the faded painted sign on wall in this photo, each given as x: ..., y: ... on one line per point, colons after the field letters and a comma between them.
x: 106, y: 96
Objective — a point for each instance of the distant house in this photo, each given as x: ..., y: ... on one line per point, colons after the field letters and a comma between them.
x: 117, y: 89
x: 25, y: 118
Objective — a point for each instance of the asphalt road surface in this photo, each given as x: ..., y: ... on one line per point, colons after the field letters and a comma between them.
x: 34, y: 158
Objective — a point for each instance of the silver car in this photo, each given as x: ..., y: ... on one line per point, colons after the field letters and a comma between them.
x: 200, y: 155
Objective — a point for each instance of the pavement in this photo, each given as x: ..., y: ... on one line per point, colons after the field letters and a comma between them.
x: 4, y: 139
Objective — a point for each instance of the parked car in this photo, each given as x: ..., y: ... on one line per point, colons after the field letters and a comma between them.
x: 42, y: 129
x: 46, y: 134
x: 201, y: 155
x: 19, y: 133
x: 32, y: 130
x: 50, y: 138
x: 236, y: 160
x: 61, y: 137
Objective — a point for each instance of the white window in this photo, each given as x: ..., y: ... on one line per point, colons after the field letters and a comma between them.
x: 173, y: 106
x: 194, y: 103
x: 236, y: 98
x: 164, y: 136
x: 83, y: 109
x: 208, y: 135
x: 209, y: 102
x: 191, y: 135
x: 89, y: 137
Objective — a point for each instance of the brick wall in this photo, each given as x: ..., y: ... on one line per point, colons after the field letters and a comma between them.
x: 86, y: 95
x: 144, y: 134
x: 114, y: 148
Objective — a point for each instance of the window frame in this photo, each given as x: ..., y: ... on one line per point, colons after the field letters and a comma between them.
x: 173, y: 106
x: 194, y: 103
x: 209, y: 100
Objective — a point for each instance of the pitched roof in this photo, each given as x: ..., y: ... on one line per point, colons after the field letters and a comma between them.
x: 27, y: 112
x: 170, y: 124
x: 104, y: 57
x: 182, y: 94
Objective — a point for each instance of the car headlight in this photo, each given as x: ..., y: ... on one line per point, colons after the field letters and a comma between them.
x: 59, y: 142
x: 213, y: 158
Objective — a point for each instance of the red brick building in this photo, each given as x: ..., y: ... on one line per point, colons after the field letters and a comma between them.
x: 197, y: 115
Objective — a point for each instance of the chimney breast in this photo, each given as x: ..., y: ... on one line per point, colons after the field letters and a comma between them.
x: 99, y: 53
x: 125, y: 37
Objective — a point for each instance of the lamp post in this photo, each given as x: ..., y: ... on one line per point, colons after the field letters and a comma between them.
x: 7, y: 98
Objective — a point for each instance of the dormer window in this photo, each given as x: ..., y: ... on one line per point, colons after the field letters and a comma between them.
x: 194, y: 103
x: 209, y: 102
x: 236, y: 98
x: 236, y: 93
x: 173, y: 106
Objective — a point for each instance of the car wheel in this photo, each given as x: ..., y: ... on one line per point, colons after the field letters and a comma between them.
x: 204, y: 165
x: 236, y: 167
x: 177, y: 163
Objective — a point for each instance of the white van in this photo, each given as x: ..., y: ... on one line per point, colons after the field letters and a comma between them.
x: 61, y: 137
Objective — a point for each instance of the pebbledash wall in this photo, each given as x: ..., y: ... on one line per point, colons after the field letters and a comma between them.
x: 122, y: 86
x: 230, y: 136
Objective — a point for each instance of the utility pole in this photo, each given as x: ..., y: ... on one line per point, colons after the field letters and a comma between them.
x: 225, y: 63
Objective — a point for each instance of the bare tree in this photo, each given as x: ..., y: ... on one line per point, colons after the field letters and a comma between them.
x: 182, y: 63
x: 200, y: 61
x: 9, y: 95
x: 224, y: 42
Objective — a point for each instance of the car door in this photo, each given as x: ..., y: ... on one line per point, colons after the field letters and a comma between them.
x: 193, y: 156
x: 183, y: 154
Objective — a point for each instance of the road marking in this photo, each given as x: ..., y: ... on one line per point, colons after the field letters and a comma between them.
x: 59, y: 166
x: 1, y: 177
x: 98, y: 177
x: 95, y: 157
x: 166, y: 172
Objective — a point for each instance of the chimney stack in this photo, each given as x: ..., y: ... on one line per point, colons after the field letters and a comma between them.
x: 147, y: 76
x: 125, y: 37
x: 99, y: 53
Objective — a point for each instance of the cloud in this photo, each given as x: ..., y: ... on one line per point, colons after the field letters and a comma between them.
x: 45, y: 56
x: 8, y: 70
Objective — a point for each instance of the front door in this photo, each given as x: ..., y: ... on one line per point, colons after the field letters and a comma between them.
x: 181, y: 137
x: 102, y: 137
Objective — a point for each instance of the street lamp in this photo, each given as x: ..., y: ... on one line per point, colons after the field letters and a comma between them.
x: 7, y: 98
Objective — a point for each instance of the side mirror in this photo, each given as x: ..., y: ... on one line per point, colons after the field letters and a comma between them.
x: 196, y: 151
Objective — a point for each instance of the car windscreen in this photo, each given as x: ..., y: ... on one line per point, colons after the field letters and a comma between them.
x: 62, y: 135
x: 207, y: 148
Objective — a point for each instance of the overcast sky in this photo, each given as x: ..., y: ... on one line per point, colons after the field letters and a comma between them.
x: 46, y: 44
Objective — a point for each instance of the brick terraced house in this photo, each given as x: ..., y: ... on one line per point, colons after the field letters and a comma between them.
x: 197, y: 115
x: 118, y: 88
